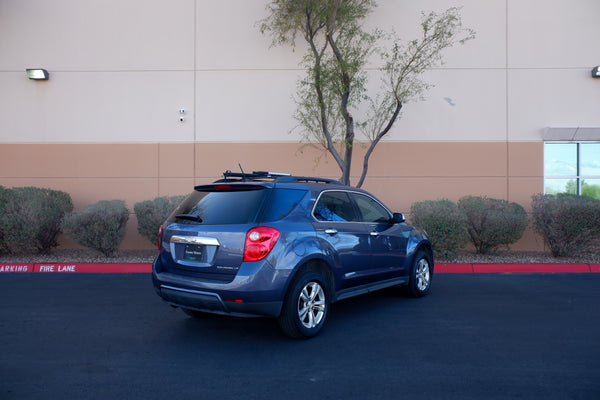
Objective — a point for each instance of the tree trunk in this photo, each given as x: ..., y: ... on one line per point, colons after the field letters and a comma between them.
x: 349, y: 146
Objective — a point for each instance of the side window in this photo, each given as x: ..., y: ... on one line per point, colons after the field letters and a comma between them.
x: 281, y: 203
x: 334, y: 206
x: 370, y: 209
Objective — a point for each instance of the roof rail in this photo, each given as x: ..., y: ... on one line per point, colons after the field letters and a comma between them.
x: 308, y: 179
x: 229, y: 176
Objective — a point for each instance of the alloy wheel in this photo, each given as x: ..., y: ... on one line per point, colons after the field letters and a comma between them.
x: 311, y: 305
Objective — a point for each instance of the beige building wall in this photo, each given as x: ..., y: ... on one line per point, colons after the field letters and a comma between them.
x: 107, y: 123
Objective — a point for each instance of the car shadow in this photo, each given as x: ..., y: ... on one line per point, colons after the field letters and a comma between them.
x: 361, y: 311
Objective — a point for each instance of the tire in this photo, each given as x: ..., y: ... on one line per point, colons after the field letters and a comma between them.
x: 305, y: 307
x: 420, y: 275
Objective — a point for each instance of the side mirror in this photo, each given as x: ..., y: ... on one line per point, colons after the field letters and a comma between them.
x: 398, y: 218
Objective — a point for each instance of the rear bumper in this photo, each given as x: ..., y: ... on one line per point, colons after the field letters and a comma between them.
x: 213, y: 303
x: 256, y: 290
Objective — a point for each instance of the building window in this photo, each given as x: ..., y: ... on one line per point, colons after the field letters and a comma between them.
x: 572, y: 167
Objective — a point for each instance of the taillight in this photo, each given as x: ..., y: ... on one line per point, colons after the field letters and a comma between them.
x: 159, y: 237
x: 259, y: 242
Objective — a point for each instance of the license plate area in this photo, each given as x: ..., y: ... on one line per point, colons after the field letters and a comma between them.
x: 193, y: 252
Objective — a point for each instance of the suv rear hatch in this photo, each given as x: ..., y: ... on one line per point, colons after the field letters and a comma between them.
x: 204, y: 237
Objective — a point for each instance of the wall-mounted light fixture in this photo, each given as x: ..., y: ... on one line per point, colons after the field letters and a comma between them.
x: 596, y: 72
x: 37, y: 74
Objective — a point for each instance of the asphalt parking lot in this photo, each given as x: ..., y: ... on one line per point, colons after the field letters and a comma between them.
x: 476, y: 336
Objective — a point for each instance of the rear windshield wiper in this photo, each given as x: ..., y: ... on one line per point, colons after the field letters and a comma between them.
x: 190, y: 217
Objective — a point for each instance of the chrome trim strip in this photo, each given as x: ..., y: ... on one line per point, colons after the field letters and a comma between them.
x: 194, y: 240
x: 178, y: 289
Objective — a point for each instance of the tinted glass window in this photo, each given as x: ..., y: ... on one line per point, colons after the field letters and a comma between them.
x: 572, y: 168
x: 334, y: 206
x: 219, y: 208
x: 370, y: 209
x: 590, y: 159
x: 560, y: 159
x: 281, y: 203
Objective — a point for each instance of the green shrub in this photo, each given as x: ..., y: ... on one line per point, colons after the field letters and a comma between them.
x: 445, y: 224
x: 569, y: 224
x: 493, y: 222
x: 31, y: 218
x: 99, y: 226
x: 151, y: 214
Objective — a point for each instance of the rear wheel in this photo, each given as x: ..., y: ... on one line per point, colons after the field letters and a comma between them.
x: 420, y: 275
x: 305, y: 307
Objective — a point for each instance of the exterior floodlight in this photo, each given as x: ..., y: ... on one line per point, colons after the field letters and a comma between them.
x: 38, y: 74
x: 596, y: 72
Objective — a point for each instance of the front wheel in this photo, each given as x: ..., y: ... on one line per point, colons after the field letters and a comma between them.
x: 305, y: 307
x: 420, y: 275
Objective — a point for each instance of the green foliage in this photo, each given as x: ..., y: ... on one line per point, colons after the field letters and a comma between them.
x: 152, y: 213
x: 445, y: 224
x: 30, y: 218
x: 492, y: 222
x: 571, y: 186
x: 569, y: 224
x: 99, y: 226
x: 330, y: 97
x: 587, y: 189
x: 590, y: 190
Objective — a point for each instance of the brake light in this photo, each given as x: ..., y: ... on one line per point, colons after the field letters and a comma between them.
x: 259, y: 243
x: 159, y: 237
x: 223, y: 187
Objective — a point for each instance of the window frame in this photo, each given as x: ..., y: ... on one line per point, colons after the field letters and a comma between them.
x: 353, y: 202
x: 577, y: 177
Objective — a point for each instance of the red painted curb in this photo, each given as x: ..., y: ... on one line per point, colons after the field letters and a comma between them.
x: 77, y: 267
x: 453, y: 268
x: 16, y: 267
x: 516, y: 268
x: 443, y: 268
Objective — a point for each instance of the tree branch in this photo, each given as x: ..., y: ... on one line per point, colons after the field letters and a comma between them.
x: 318, y: 55
x: 375, y: 141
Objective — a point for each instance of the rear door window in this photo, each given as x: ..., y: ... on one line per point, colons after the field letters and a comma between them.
x: 335, y: 206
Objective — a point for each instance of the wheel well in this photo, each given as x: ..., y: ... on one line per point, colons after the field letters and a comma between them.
x: 428, y: 249
x: 323, y: 269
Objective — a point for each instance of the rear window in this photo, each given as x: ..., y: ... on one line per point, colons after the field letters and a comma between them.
x: 219, y: 208
x: 281, y: 203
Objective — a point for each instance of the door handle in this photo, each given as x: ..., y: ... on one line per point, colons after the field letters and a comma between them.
x: 331, y: 231
x: 374, y: 233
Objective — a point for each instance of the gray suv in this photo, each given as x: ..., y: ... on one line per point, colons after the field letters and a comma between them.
x: 282, y: 246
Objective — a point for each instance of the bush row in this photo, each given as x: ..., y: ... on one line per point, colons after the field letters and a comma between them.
x: 31, y: 219
x: 487, y: 223
x: 569, y: 224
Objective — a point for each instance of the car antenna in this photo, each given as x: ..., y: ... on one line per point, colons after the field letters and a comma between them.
x: 241, y: 169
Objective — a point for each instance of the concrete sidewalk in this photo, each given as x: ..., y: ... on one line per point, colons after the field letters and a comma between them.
x: 474, y: 268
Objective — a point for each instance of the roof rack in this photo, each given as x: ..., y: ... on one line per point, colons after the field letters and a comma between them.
x: 229, y: 176
x: 308, y: 179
